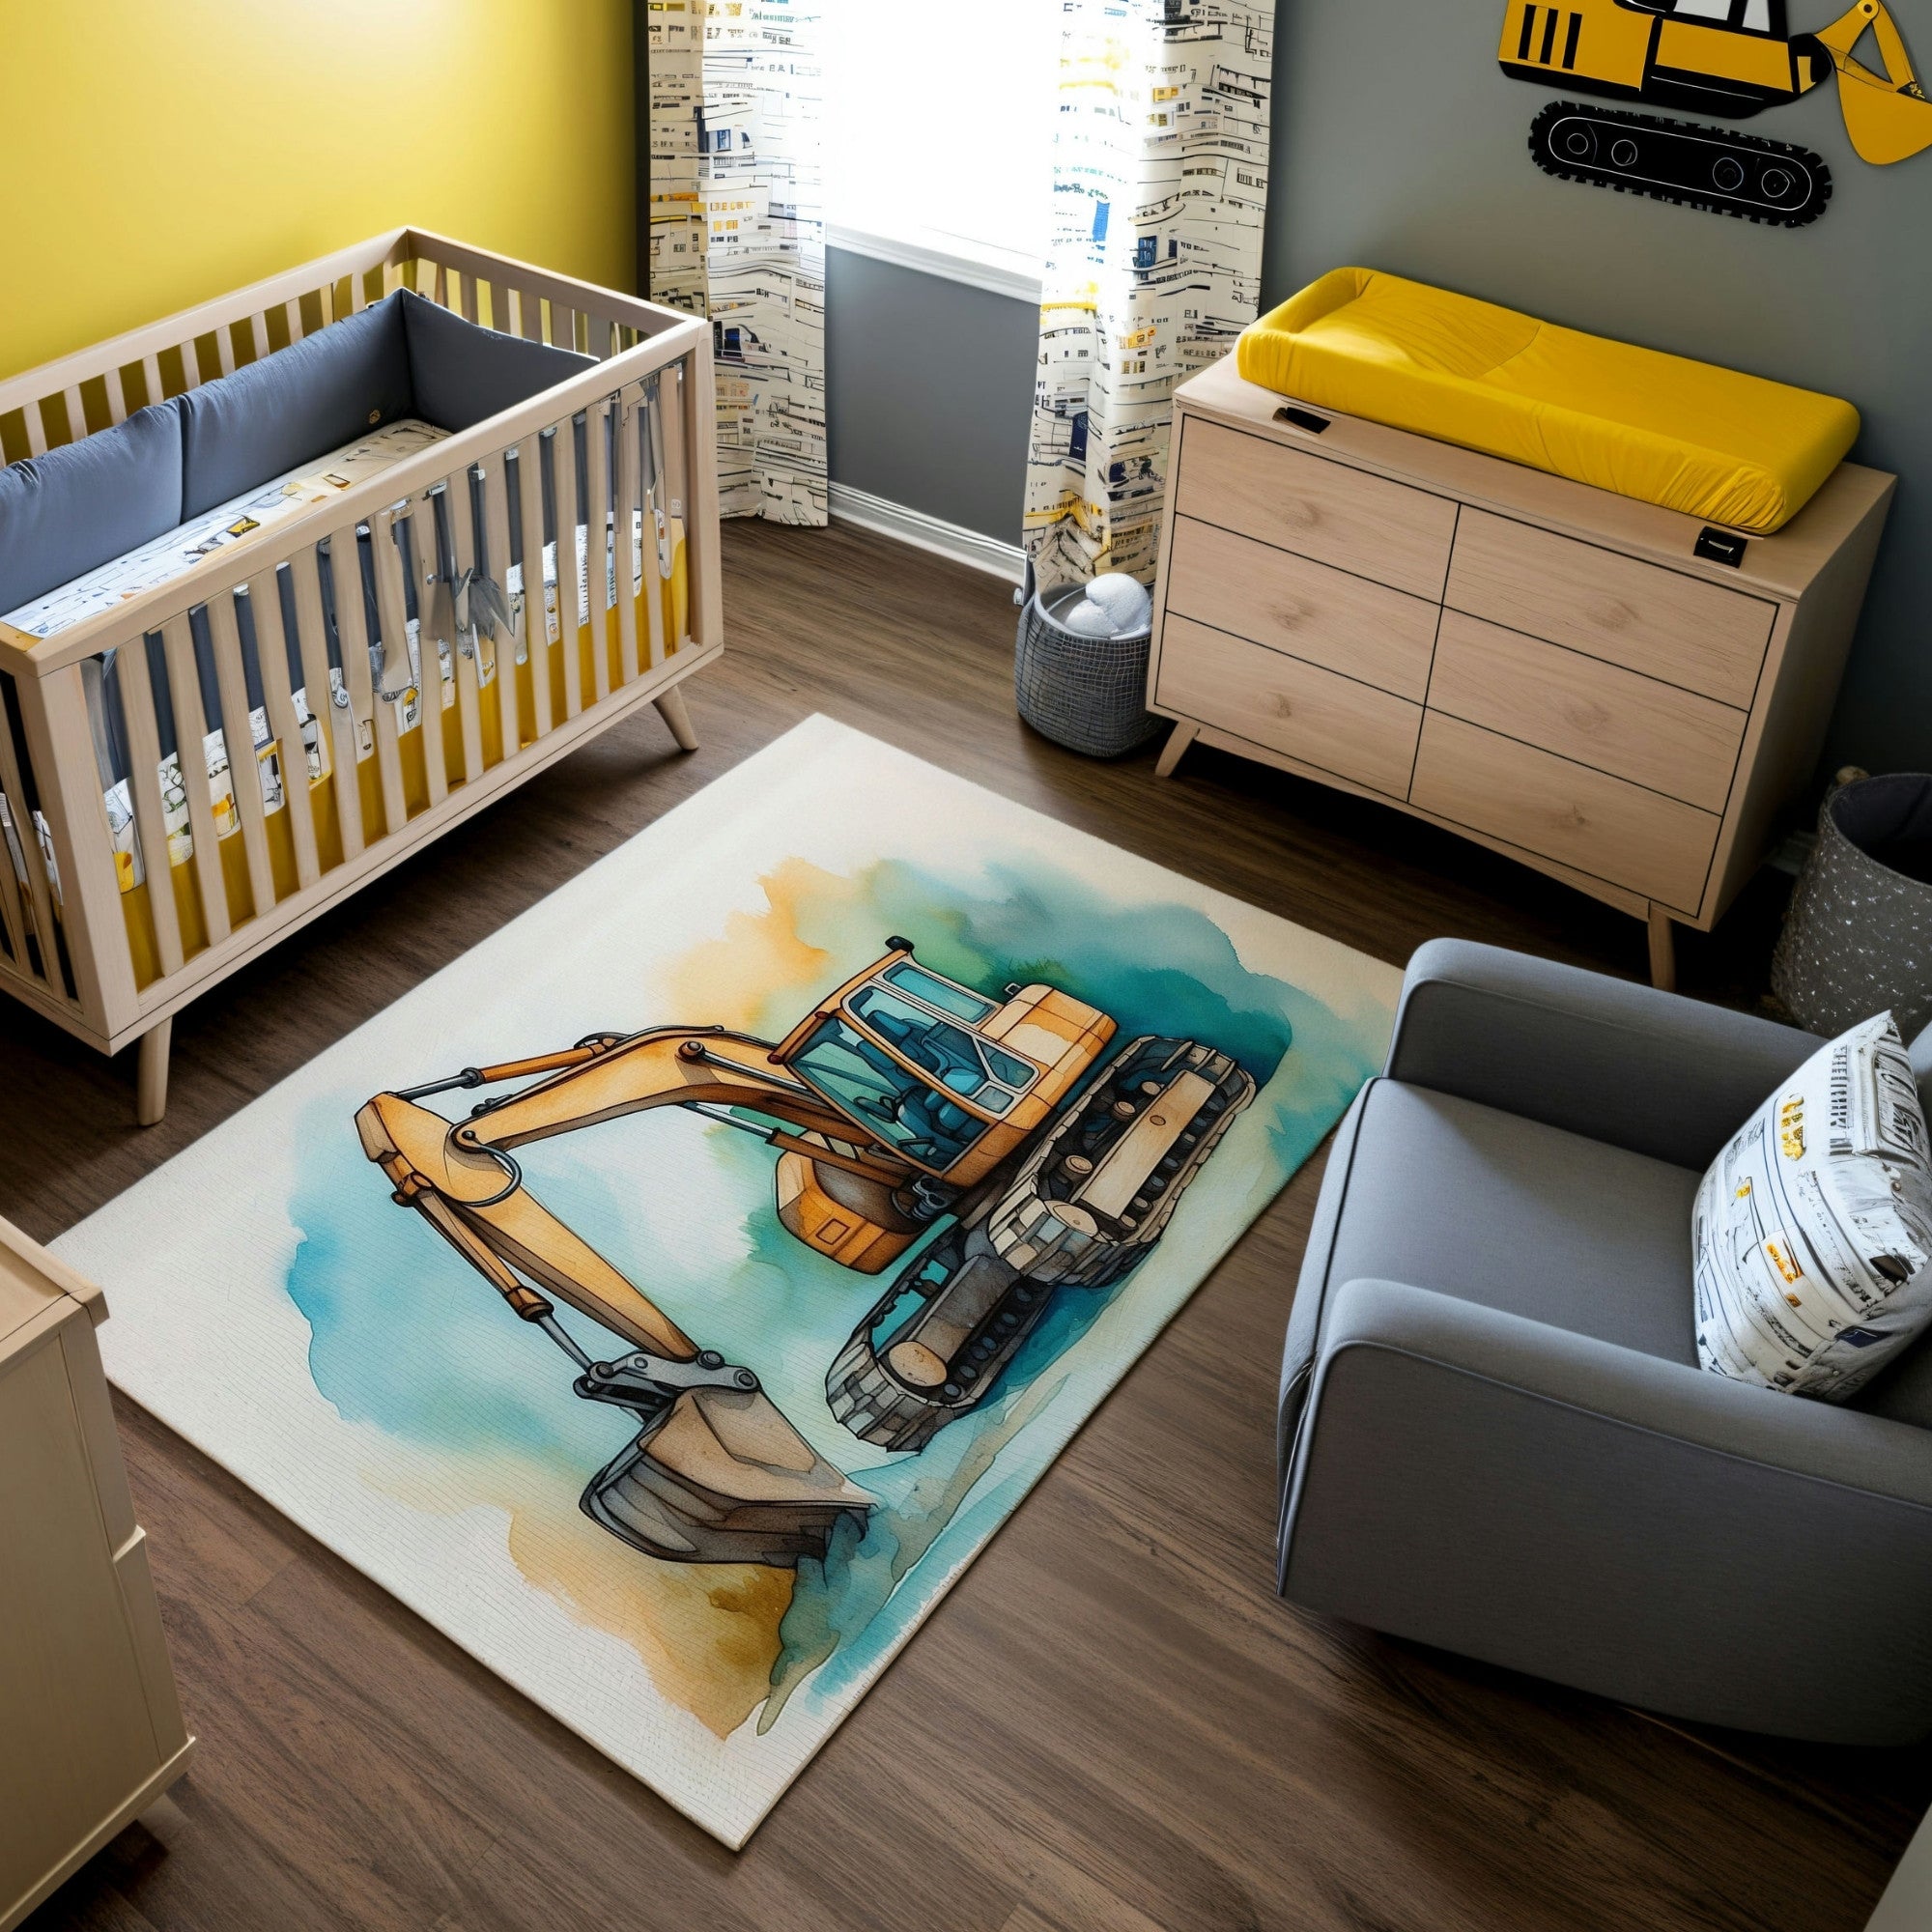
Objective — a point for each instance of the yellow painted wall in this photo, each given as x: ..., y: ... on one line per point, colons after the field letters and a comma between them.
x: 157, y: 152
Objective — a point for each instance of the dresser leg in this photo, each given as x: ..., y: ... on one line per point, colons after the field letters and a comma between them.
x: 1663, y: 951
x: 151, y: 1074
x: 1179, y: 740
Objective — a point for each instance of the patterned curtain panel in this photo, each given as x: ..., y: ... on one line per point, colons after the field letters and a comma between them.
x: 1160, y: 170
x: 738, y: 233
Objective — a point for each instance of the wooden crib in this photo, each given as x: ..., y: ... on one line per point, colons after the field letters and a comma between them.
x: 110, y: 930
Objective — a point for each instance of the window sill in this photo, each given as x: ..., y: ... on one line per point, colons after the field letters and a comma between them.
x: 998, y: 270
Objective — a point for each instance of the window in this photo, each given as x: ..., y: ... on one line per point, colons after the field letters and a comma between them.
x: 939, y: 134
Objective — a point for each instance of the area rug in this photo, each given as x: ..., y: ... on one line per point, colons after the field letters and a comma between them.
x: 839, y: 1142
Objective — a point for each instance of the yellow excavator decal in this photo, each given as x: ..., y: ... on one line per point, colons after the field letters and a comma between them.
x: 910, y: 1112
x: 1726, y: 57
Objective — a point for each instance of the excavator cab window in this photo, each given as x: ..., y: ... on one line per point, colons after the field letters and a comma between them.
x: 901, y: 1109
x: 914, y: 1109
x: 948, y: 995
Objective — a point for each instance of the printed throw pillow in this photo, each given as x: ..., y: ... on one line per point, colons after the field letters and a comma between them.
x: 1812, y: 1233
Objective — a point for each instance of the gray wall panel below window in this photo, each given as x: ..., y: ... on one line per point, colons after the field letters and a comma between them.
x: 929, y: 391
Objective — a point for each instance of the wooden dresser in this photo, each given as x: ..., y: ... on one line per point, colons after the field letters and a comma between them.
x: 1615, y: 693
x: 90, y: 1732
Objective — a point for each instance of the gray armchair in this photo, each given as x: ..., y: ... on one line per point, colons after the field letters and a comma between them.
x: 1493, y: 1433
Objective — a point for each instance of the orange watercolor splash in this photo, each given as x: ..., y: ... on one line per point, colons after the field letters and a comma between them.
x: 760, y: 974
x: 707, y: 1634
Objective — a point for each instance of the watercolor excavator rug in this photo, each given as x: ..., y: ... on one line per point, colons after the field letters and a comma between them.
x: 670, y: 1299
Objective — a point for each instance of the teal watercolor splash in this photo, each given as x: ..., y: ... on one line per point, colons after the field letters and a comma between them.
x: 407, y: 1337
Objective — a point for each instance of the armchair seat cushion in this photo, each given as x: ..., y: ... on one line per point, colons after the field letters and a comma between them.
x: 1517, y: 1216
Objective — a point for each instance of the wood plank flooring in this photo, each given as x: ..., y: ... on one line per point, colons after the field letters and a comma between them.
x: 1113, y: 1724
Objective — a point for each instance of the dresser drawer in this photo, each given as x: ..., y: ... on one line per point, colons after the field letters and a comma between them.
x: 1316, y: 508
x: 1298, y: 709
x: 1325, y: 616
x: 1659, y: 622
x: 1600, y: 825
x: 1597, y: 714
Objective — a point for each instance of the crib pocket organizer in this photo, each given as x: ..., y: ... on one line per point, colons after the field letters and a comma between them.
x: 193, y: 771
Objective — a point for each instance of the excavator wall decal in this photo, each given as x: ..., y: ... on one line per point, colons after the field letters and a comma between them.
x: 1009, y: 1142
x: 1727, y: 57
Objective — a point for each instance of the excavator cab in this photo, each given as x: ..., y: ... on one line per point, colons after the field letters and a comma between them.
x: 948, y: 1079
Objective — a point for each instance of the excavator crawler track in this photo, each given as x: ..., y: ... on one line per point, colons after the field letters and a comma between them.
x: 1714, y: 168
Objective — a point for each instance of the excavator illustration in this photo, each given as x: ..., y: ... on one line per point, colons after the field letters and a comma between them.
x: 988, y: 1136
x: 1728, y: 57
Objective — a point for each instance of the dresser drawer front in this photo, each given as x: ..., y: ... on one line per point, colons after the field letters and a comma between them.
x: 1658, y: 848
x: 1598, y: 714
x: 1303, y: 712
x: 1659, y: 622
x: 1316, y: 508
x: 1323, y: 616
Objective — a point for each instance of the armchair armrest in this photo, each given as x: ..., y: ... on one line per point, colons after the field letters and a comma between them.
x: 1609, y: 1519
x: 1650, y: 1071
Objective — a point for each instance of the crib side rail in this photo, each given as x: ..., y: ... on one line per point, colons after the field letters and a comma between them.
x: 261, y: 740
x: 98, y: 386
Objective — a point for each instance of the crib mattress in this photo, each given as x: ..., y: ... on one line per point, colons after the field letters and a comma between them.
x: 177, y: 551
x: 1712, y: 443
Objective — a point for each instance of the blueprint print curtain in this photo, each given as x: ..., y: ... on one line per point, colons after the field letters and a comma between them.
x: 1154, y: 264
x: 737, y: 233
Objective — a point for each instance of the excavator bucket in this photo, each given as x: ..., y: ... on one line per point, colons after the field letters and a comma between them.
x: 722, y: 1478
x: 1886, y: 115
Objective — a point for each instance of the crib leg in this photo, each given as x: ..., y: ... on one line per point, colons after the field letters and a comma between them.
x: 670, y: 708
x: 150, y: 1074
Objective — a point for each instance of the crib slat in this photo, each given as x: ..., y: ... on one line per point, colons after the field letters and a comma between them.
x: 352, y: 634
x: 117, y: 397
x: 470, y: 311
x: 312, y: 640
x: 468, y: 668
x: 59, y: 744
x: 628, y: 468
x: 272, y: 654
x: 150, y: 377
x: 562, y: 327
x: 392, y: 607
x: 39, y: 893
x: 496, y: 565
x: 650, y: 403
x: 37, y: 428
x: 258, y: 336
x: 292, y: 310
x: 597, y: 546
x: 76, y: 412
x: 536, y: 627
x: 238, y: 737
x: 144, y: 783
x: 13, y: 915
x: 532, y: 316
x: 694, y: 466
x: 563, y: 465
x: 224, y: 350
x: 190, y: 729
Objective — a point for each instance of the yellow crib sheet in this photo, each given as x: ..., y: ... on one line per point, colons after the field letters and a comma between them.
x: 1714, y: 444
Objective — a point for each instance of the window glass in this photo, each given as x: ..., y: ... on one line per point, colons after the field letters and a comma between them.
x: 939, y: 123
x: 959, y: 1001
x: 869, y: 1084
x: 953, y: 1055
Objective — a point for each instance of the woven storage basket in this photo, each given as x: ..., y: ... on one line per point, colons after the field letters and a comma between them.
x: 1857, y: 937
x: 1088, y: 694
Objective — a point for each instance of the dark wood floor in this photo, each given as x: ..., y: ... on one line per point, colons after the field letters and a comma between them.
x: 1112, y: 1725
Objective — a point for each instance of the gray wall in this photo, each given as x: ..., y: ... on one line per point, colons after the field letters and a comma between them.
x: 928, y: 390
x: 1399, y: 145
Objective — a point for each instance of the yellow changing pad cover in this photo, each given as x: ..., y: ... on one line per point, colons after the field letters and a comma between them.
x: 1712, y: 443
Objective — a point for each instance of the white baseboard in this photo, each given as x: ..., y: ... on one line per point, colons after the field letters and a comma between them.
x: 913, y: 526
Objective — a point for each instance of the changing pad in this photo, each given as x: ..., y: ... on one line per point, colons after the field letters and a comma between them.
x: 1725, y: 447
